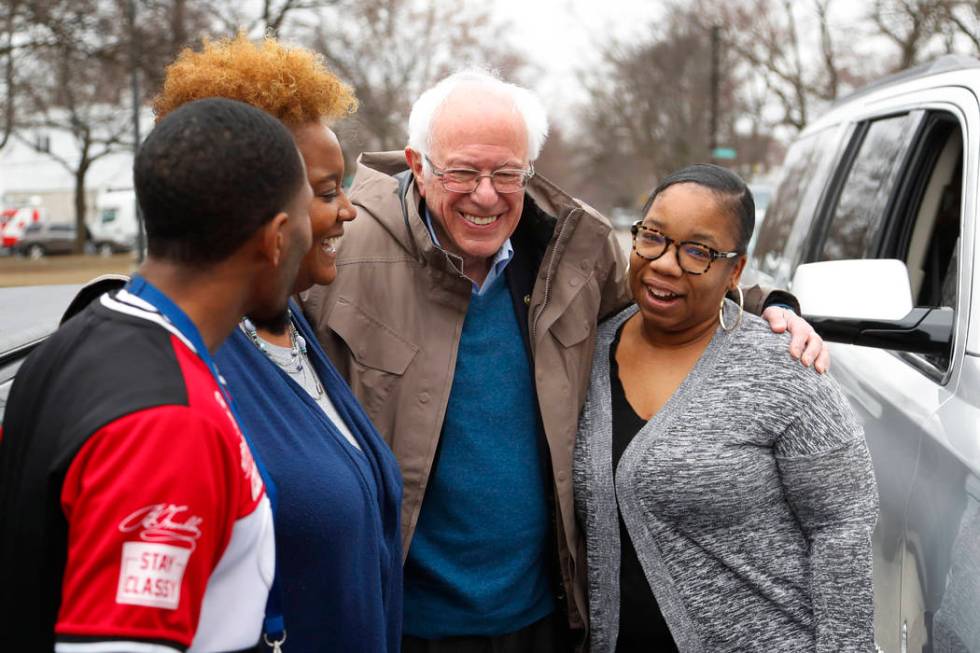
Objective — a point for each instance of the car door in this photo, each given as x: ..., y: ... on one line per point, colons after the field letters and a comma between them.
x: 891, y: 399
x: 61, y: 238
x: 933, y: 231
x: 899, y: 195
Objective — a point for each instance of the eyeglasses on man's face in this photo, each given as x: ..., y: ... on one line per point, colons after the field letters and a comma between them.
x: 466, y: 180
x: 692, y: 257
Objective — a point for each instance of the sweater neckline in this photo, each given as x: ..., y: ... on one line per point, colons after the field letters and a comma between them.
x: 679, y: 399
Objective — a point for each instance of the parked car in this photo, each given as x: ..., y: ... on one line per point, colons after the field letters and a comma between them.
x: 873, y: 226
x: 762, y: 194
x: 21, y: 331
x: 28, y: 315
x: 43, y: 238
x: 622, y: 217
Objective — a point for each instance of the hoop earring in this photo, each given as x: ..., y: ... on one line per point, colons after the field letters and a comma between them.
x: 741, y: 309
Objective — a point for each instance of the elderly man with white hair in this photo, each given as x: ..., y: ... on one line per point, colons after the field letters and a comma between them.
x: 464, y: 315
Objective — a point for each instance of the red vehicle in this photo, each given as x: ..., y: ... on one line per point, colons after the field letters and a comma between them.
x: 13, y: 222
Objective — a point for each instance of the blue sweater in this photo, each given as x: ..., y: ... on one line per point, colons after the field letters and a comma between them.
x: 338, y: 544
x: 478, y: 563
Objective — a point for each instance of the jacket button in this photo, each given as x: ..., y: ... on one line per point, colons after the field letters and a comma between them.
x: 527, y: 300
x: 573, y: 282
x: 424, y: 397
x: 561, y: 477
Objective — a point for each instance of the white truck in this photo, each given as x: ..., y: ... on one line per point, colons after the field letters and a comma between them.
x: 115, y: 227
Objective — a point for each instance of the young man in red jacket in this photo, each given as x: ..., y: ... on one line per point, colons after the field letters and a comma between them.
x: 133, y: 515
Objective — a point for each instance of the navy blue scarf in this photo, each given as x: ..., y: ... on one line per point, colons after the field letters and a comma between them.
x: 338, y: 541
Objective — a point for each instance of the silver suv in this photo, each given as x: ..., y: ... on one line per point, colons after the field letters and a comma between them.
x: 873, y: 226
x: 42, y: 238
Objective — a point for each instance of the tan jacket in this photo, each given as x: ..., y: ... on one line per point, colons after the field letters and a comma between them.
x: 392, y: 322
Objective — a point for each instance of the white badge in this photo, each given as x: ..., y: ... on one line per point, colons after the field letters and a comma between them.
x: 150, y: 574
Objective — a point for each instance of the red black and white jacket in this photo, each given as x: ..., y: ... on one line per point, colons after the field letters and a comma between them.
x: 132, y: 514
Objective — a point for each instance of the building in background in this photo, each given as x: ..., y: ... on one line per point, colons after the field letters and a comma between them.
x: 36, y: 185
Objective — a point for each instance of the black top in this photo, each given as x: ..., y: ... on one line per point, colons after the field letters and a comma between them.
x: 641, y: 625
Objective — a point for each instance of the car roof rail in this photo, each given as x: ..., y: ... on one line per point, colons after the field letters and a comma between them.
x: 944, y: 64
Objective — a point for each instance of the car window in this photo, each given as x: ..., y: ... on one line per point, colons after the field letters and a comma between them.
x: 868, y: 187
x: 794, y: 202
x: 61, y: 228
x: 32, y: 229
x: 927, y: 230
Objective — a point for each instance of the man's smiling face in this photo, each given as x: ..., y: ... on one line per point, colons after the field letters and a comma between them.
x: 478, y: 130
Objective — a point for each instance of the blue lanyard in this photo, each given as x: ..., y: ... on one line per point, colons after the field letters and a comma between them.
x: 274, y: 627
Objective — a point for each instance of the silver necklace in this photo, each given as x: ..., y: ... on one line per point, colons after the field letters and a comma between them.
x: 297, y: 352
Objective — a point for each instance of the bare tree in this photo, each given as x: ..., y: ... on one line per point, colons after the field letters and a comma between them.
x: 229, y: 18
x: 186, y: 20
x: 766, y: 36
x: 8, y: 12
x: 910, y: 24
x: 648, y: 109
x: 828, y: 53
x: 963, y: 17
x: 558, y: 160
x: 19, y: 41
x: 74, y: 62
x: 391, y: 50
x: 76, y: 83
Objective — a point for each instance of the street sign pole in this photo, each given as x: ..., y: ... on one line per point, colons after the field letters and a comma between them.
x: 135, y: 82
x: 715, y: 83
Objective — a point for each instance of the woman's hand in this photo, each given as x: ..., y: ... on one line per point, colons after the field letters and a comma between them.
x: 805, y: 343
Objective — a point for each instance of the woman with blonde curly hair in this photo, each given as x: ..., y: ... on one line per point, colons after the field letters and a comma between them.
x: 338, y: 576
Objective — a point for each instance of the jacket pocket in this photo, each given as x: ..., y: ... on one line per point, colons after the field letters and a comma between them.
x: 578, y: 317
x: 571, y: 328
x: 379, y: 356
x: 574, y: 334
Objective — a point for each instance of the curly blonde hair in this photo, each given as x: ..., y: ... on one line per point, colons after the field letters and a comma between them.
x: 292, y: 84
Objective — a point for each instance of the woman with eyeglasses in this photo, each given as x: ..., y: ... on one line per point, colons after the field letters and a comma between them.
x: 726, y: 492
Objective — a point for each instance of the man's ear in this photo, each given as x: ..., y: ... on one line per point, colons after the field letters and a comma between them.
x: 271, y: 239
x: 415, y: 164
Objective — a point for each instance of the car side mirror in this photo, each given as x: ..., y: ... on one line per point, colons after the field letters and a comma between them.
x: 868, y: 302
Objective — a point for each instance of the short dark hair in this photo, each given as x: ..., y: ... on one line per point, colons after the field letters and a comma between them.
x: 210, y: 175
x: 731, y: 190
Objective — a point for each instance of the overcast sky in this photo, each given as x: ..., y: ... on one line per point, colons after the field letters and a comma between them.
x: 564, y: 37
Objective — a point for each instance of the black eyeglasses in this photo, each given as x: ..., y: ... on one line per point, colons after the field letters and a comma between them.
x: 692, y: 257
x: 466, y: 180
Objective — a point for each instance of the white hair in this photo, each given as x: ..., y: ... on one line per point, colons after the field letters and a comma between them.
x: 526, y: 104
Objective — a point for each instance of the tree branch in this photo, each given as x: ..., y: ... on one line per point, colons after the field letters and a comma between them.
x: 827, y: 49
x: 949, y: 10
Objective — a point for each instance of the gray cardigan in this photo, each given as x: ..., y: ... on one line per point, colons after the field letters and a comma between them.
x: 749, y: 497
